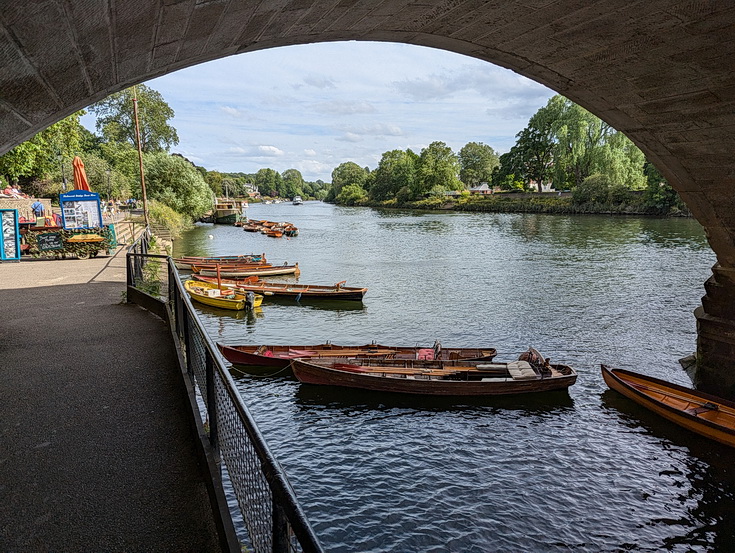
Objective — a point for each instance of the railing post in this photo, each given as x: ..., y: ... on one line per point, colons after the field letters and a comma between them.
x: 187, y: 342
x: 280, y: 530
x: 211, y: 403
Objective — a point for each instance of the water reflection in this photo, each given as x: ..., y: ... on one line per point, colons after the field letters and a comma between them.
x: 335, y: 397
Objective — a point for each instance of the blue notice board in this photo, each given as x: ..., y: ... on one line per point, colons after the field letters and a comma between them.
x: 80, y: 209
x: 9, y: 235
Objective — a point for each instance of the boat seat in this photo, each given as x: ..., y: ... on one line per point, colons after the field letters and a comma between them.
x: 521, y: 370
x: 425, y: 354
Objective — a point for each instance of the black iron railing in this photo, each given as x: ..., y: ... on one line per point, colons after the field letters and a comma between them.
x: 273, y: 519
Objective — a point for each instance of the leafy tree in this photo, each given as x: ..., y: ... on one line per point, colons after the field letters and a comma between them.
x: 659, y: 194
x: 116, y: 120
x: 347, y: 173
x: 293, y: 183
x: 268, y: 182
x: 351, y: 194
x: 396, y: 170
x: 438, y: 171
x: 623, y: 162
x: 477, y: 162
x: 214, y: 180
x: 175, y: 182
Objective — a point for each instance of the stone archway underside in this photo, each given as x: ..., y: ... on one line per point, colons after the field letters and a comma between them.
x: 662, y: 71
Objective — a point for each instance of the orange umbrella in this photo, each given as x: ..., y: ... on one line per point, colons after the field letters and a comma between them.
x: 80, y: 176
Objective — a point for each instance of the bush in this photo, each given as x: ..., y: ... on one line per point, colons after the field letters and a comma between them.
x: 162, y: 215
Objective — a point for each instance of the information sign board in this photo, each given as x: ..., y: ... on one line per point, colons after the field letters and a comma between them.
x: 9, y: 235
x: 80, y: 209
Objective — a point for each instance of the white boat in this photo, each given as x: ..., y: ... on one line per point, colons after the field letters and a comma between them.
x: 297, y: 200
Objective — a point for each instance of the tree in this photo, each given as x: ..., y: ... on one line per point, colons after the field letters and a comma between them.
x: 477, y: 162
x: 214, y: 180
x: 116, y: 120
x: 42, y: 155
x: 397, y: 169
x: 175, y: 182
x: 351, y: 194
x: 438, y: 171
x: 347, y: 173
x: 268, y: 182
x: 293, y: 183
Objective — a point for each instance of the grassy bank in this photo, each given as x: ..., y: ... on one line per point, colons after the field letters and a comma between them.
x: 533, y: 203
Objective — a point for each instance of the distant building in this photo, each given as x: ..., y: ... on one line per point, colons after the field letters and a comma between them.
x: 481, y: 189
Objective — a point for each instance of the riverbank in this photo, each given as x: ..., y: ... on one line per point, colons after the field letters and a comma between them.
x: 545, y: 202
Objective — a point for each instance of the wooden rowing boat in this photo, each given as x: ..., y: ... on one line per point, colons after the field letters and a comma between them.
x: 436, y: 378
x: 707, y: 415
x: 281, y: 356
x: 299, y: 291
x: 185, y: 262
x: 250, y: 271
x: 209, y: 294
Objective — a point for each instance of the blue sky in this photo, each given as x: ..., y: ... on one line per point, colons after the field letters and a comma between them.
x: 313, y: 107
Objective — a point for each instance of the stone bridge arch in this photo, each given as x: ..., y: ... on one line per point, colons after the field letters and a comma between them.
x: 662, y: 71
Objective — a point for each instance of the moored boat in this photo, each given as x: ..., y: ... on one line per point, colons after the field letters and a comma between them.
x: 185, y: 262
x: 210, y: 294
x: 281, y: 356
x: 226, y: 211
x: 435, y: 378
x: 299, y: 291
x: 707, y: 415
x: 235, y: 272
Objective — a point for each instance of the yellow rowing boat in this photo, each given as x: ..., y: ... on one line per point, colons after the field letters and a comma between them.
x: 210, y: 294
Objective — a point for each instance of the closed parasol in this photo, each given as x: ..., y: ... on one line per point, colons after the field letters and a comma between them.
x: 80, y: 175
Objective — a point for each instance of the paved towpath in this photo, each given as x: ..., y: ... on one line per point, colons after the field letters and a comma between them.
x: 96, y: 453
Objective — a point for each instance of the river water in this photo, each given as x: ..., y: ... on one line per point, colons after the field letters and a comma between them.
x: 583, y: 470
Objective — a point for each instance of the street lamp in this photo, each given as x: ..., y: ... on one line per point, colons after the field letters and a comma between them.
x: 63, y: 175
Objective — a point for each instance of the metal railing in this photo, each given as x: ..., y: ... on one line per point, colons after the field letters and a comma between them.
x: 273, y: 519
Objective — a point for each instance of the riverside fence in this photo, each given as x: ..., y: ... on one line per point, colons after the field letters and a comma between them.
x: 233, y: 447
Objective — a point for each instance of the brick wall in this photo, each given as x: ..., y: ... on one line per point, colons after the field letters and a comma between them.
x: 23, y: 205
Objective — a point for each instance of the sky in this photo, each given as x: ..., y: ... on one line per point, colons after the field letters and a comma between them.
x: 313, y: 107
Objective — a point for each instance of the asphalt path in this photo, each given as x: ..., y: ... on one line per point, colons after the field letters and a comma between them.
x: 96, y: 452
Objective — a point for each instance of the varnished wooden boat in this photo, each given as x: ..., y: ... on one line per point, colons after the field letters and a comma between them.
x: 436, y: 378
x: 241, y: 272
x: 209, y: 294
x: 703, y: 413
x: 185, y: 262
x: 300, y: 291
x: 281, y: 356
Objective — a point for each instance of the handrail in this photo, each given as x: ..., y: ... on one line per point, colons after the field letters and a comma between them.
x: 275, y: 522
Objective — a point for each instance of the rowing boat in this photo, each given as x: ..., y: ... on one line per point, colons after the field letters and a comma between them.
x: 185, y: 262
x: 281, y: 356
x: 299, y: 291
x: 436, y: 378
x: 705, y: 414
x: 234, y: 272
x: 209, y: 294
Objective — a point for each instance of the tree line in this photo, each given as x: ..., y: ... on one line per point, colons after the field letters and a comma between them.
x: 179, y: 190
x: 563, y: 147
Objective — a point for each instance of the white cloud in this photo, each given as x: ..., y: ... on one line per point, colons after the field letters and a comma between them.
x: 319, y: 82
x: 233, y: 112
x: 355, y: 100
x: 344, y: 107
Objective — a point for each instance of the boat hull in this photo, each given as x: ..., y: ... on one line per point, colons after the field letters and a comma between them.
x: 419, y: 384
x: 253, y: 271
x: 677, y: 404
x: 239, y: 303
x: 301, y: 291
x: 281, y: 356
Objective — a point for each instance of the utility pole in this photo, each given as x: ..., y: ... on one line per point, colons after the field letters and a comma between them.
x: 140, y: 156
